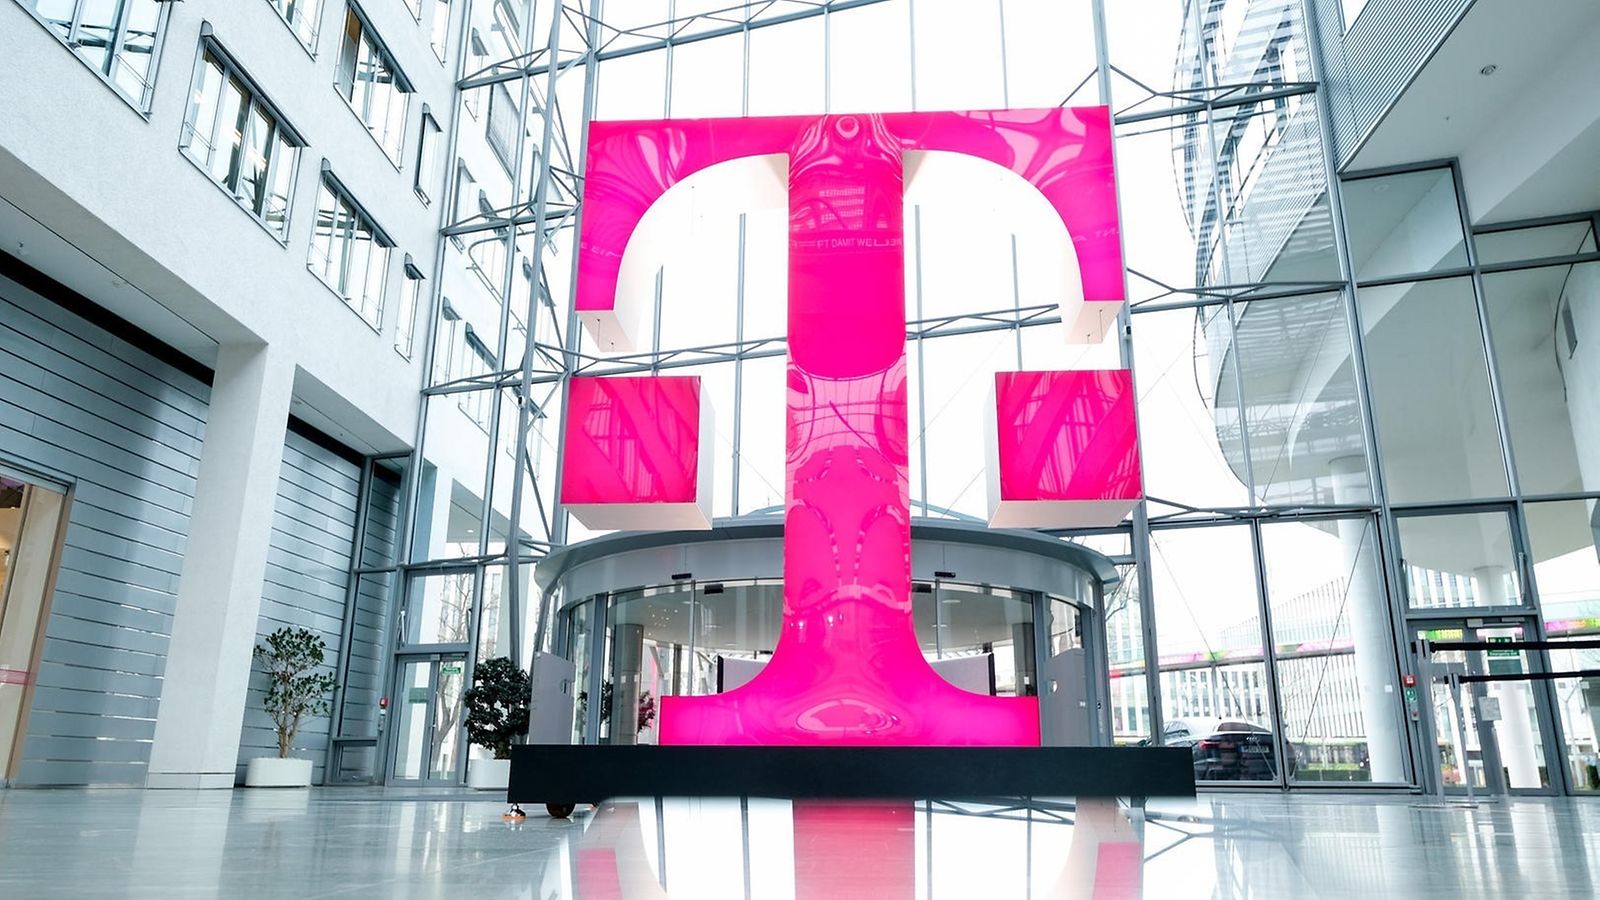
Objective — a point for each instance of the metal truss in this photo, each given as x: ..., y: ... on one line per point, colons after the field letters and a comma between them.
x: 560, y: 362
x: 608, y: 41
x: 546, y: 205
x: 1191, y: 102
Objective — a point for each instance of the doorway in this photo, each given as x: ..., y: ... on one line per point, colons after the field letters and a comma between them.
x: 31, y: 520
x: 428, y: 739
x: 1491, y: 731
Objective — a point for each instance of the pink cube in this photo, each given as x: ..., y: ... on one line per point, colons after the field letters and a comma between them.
x: 1063, y: 449
x: 636, y: 455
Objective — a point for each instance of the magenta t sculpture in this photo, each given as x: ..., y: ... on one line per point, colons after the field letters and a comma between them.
x: 847, y: 669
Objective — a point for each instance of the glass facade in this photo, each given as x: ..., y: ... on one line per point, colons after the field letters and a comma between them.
x: 1358, y: 413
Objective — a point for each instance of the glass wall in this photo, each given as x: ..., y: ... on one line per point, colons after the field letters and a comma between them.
x: 1355, y: 408
x: 692, y: 638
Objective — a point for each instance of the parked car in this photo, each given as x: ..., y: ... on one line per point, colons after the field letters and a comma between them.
x: 1228, y: 749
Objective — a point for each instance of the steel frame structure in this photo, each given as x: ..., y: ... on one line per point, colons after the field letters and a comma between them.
x: 546, y: 205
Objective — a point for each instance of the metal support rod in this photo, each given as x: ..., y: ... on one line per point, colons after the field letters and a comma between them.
x: 411, y: 483
x: 738, y: 371
x: 509, y: 599
x: 922, y: 361
x: 1486, y: 335
x: 1461, y: 734
x: 513, y: 581
x: 1281, y: 747
x: 1387, y: 531
x: 493, y: 74
x: 1139, y: 537
x: 558, y: 530
x: 352, y: 584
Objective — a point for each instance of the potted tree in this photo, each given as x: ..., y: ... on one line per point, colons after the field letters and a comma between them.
x: 295, y: 690
x: 497, y: 714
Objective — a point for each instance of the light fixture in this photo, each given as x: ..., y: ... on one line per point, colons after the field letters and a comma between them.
x: 1488, y: 70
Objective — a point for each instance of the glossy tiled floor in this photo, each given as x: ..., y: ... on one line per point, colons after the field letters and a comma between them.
x: 366, y: 843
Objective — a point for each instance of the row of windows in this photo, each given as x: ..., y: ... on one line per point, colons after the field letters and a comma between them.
x: 119, y: 39
x: 304, y: 19
x: 238, y: 138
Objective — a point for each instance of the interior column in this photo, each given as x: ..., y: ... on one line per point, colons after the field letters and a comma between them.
x: 219, y: 592
x: 1376, y: 672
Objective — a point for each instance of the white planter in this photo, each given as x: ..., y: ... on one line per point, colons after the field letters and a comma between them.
x: 488, y: 774
x: 270, y: 771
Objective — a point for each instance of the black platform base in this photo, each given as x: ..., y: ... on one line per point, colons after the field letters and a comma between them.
x: 586, y: 773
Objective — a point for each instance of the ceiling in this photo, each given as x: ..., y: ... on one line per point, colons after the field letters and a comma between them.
x: 32, y: 242
x: 1527, y: 134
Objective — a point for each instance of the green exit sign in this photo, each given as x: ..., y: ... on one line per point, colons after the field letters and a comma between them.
x: 1508, y: 651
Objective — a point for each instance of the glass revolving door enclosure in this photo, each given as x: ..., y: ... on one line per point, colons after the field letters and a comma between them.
x: 643, y: 616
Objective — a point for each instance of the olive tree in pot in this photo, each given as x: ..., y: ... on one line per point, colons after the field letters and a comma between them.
x: 497, y: 714
x: 295, y: 690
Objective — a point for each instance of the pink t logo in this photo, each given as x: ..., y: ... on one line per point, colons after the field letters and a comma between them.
x: 847, y: 668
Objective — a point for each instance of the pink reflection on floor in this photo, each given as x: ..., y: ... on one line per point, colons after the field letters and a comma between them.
x: 854, y: 850
x: 827, y: 832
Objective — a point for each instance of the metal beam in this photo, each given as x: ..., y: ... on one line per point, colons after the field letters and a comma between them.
x: 677, y: 39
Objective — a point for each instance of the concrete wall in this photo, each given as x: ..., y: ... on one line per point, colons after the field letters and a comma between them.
x: 112, y: 183
x: 123, y: 428
x: 84, y: 403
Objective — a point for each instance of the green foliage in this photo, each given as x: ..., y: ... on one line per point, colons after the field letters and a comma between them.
x: 497, y: 705
x: 294, y: 689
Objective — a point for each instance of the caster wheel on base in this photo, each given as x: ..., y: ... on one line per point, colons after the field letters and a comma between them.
x: 560, y: 810
x: 514, y: 814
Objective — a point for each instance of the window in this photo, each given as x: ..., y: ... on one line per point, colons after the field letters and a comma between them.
x: 235, y: 137
x: 473, y: 99
x: 1539, y: 319
x: 1429, y: 380
x: 468, y: 199
x: 117, y: 38
x: 438, y: 22
x: 504, y: 119
x: 373, y: 85
x: 349, y: 252
x: 474, y: 360
x: 428, y: 157
x: 303, y: 16
x: 508, y: 26
x: 405, y: 330
x: 445, y: 341
x: 1404, y: 224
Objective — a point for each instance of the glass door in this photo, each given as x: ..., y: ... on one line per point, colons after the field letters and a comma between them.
x: 428, y: 737
x: 1577, y: 698
x: 1503, y: 721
